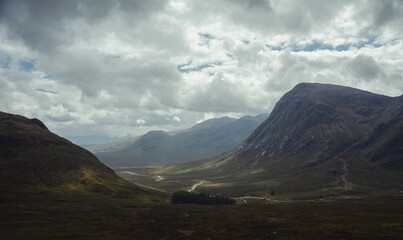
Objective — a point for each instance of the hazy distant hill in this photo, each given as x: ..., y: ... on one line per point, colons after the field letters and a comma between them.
x: 319, y: 140
x: 34, y: 162
x: 206, y: 139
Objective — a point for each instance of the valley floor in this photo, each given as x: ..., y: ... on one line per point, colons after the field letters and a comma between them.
x: 368, y: 218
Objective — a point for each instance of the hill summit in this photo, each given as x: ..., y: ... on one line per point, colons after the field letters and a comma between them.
x: 34, y: 162
x: 330, y: 121
x: 319, y: 140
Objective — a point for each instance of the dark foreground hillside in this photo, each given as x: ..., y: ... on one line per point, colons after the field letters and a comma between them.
x: 35, y: 163
x: 372, y: 218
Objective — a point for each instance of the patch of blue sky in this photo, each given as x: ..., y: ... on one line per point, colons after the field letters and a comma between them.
x: 370, y: 41
x: 50, y: 77
x: 183, y: 65
x: 343, y: 47
x: 205, y: 36
x: 193, y: 69
x: 245, y: 41
x: 319, y: 46
x: 27, y: 65
x: 46, y: 91
x: 314, y: 46
x: 5, y: 61
x: 275, y: 48
x: 185, y: 68
x: 205, y: 39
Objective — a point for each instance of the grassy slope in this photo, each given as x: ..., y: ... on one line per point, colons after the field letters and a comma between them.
x: 35, y: 162
x: 316, y: 182
x: 235, y: 181
x: 366, y: 133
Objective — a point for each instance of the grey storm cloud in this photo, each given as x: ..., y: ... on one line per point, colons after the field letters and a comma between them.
x: 364, y: 67
x: 44, y: 25
x: 379, y: 14
x: 220, y: 95
x: 273, y: 16
x: 124, y: 78
x: 102, y: 67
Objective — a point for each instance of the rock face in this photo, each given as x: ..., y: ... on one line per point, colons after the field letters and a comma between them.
x: 204, y: 140
x: 33, y: 160
x: 319, y: 139
x: 319, y: 122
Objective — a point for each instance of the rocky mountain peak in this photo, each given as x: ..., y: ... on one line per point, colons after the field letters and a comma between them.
x: 322, y: 119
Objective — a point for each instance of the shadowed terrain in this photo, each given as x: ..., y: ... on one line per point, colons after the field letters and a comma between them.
x: 373, y: 218
x: 53, y: 189
x: 320, y: 140
x: 35, y: 162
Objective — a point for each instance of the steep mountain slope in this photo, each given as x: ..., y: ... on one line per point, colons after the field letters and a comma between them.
x: 319, y: 140
x: 35, y: 162
x: 206, y: 139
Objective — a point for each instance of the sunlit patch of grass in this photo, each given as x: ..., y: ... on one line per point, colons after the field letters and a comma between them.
x: 216, y: 185
x: 216, y: 164
x: 182, y: 171
x: 256, y: 171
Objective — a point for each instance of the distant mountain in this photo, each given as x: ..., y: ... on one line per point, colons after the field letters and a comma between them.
x: 206, y: 139
x: 319, y: 140
x: 34, y: 162
x: 92, y: 140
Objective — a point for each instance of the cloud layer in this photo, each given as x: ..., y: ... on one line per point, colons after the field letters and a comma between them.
x: 120, y: 68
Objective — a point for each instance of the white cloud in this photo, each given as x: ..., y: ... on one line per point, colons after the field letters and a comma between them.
x: 101, y: 68
x: 206, y: 116
x: 140, y: 121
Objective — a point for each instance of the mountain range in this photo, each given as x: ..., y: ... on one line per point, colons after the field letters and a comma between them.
x: 206, y: 139
x: 319, y: 140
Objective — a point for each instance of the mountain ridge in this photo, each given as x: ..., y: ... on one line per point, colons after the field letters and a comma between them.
x: 35, y: 162
x: 319, y: 140
x: 203, y: 140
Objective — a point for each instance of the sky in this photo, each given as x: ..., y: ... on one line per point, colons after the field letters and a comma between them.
x: 98, y: 70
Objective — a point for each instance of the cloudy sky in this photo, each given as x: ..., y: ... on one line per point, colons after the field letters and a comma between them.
x: 110, y: 69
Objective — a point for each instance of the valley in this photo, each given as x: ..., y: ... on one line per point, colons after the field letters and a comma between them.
x: 320, y: 141
x: 297, y: 175
x: 201, y: 120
